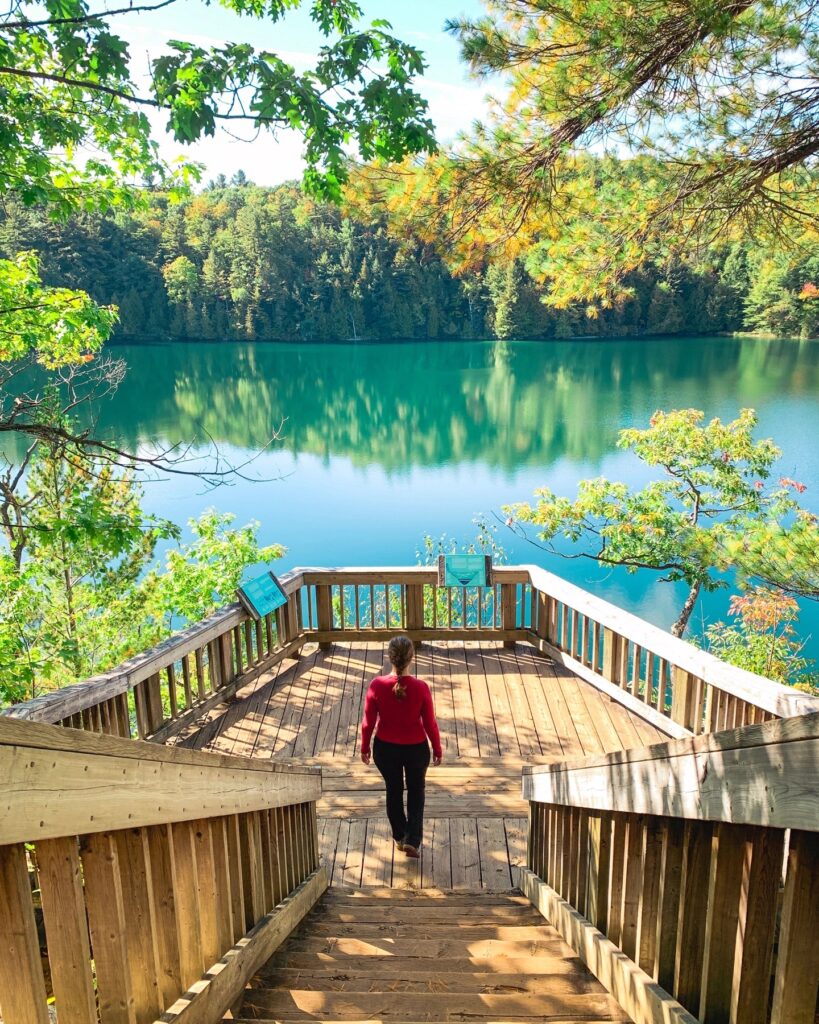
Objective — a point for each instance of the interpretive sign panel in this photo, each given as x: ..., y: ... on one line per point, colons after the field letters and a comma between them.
x: 262, y: 595
x: 464, y: 571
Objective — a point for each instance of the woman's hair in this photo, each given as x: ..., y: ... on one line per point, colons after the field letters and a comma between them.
x: 400, y: 652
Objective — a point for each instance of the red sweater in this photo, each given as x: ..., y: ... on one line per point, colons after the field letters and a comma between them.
x: 409, y: 720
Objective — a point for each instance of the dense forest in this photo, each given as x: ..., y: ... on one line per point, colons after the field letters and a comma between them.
x: 240, y: 262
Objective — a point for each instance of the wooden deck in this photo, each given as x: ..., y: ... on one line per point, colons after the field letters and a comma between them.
x: 497, y: 710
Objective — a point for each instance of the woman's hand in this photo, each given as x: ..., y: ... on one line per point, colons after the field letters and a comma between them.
x: 437, y: 760
x: 365, y: 757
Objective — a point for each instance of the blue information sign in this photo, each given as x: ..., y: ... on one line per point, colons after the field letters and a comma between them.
x: 464, y: 571
x: 262, y: 595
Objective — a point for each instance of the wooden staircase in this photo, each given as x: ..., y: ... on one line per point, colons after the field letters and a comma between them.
x: 409, y: 955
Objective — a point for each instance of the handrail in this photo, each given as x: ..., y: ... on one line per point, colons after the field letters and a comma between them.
x: 662, y: 867
x: 672, y: 683
x: 761, y: 692
x: 160, y: 877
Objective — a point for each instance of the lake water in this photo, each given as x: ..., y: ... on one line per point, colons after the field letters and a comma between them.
x: 383, y: 443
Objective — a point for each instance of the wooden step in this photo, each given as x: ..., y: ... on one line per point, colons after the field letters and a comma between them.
x: 343, y: 979
x: 423, y: 931
x: 408, y: 914
x: 429, y: 947
x: 337, y: 894
x: 412, y: 1006
x: 386, y: 964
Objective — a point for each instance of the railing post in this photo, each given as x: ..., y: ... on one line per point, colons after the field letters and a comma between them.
x: 683, y: 694
x: 508, y: 610
x: 324, y: 612
x: 415, y: 606
x: 612, y: 659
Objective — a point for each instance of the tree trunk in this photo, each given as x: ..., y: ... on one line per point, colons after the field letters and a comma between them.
x: 680, y: 625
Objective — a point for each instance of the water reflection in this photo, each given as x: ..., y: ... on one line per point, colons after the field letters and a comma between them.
x: 400, y: 406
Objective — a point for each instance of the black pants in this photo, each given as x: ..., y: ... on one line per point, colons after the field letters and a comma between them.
x: 394, y: 760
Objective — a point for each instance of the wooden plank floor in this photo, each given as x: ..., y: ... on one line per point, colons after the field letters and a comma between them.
x: 497, y: 710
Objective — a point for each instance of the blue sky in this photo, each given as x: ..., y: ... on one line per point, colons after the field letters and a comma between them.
x: 455, y: 100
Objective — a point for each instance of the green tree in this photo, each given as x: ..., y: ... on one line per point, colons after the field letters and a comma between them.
x: 202, y: 575
x: 67, y: 83
x: 763, y: 638
x: 711, y: 510
x: 72, y: 597
x: 717, y: 91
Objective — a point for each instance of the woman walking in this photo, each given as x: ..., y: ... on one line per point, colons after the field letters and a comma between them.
x: 401, y: 705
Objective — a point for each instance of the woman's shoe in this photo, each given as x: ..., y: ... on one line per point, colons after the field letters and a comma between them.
x: 411, y: 851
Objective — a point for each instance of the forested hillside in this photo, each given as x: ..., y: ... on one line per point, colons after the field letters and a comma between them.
x: 240, y: 262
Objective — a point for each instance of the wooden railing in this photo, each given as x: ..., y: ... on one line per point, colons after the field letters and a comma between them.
x: 138, y: 880
x: 672, y: 683
x: 154, y: 694
x: 663, y: 867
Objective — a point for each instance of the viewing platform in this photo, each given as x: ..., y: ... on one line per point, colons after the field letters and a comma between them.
x: 623, y: 827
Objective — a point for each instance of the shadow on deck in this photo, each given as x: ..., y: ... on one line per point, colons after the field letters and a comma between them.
x: 497, y: 708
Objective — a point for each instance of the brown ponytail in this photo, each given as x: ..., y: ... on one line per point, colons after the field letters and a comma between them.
x: 400, y: 652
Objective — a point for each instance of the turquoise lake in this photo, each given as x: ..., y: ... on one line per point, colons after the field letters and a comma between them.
x: 383, y: 443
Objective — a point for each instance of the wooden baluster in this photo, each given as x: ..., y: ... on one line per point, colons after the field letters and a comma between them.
x: 611, y: 656
x: 123, y: 715
x: 691, y: 945
x: 107, y: 921
x: 599, y: 861
x: 221, y: 872
x: 584, y: 640
x: 342, y: 608
x: 576, y: 648
x: 670, y: 894
x: 186, y: 902
x: 141, y: 708
x: 315, y: 858
x: 22, y: 988
x: 564, y: 627
x: 279, y: 838
x: 759, y: 889
x: 259, y: 634
x: 581, y: 895
x: 636, y: 664
x: 266, y: 860
x: 357, y: 600
x: 797, y: 967
x: 158, y: 839
x: 275, y: 858
x: 649, y: 905
x: 533, y: 836
x: 252, y: 868
x: 727, y: 856
x: 140, y: 933
x: 153, y: 696
x: 174, y: 706
x: 617, y: 884
x: 237, y: 889
x: 226, y: 672
x: 571, y: 855
x: 208, y: 896
x: 186, y: 681
x: 199, y: 664
x: 237, y: 652
x: 248, y: 631
x: 324, y: 611
x: 597, y: 653
x: 650, y: 660
x: 632, y: 885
